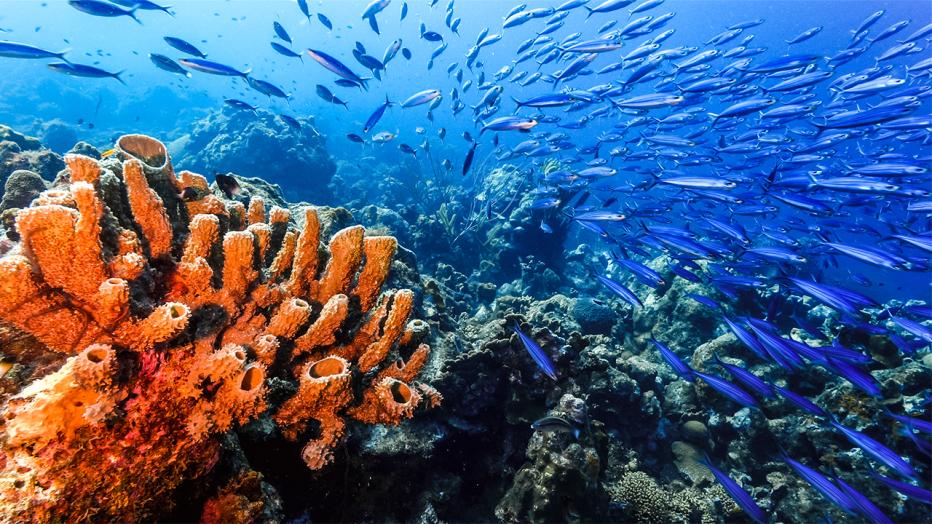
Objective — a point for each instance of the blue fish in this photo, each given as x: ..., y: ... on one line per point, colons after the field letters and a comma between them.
x: 184, y: 46
x: 103, y: 9
x: 626, y: 294
x: 335, y: 66
x: 728, y: 389
x: 748, y: 379
x: 881, y: 453
x: 823, y: 485
x: 537, y: 353
x: 679, y: 367
x: 212, y: 68
x: 741, y: 497
x: 72, y: 69
x: 913, y: 492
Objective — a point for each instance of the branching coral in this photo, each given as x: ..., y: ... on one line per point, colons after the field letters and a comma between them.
x: 175, y: 308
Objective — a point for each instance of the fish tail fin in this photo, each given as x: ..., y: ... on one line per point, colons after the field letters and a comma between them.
x: 132, y: 14
x: 591, y: 12
x: 715, y: 117
x: 166, y: 9
x: 117, y: 77
x: 61, y: 55
x: 772, y: 176
x: 518, y: 104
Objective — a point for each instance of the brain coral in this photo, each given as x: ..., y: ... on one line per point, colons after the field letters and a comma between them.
x: 175, y: 308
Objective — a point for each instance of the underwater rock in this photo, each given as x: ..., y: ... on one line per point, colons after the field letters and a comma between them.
x: 21, y: 187
x: 20, y: 152
x: 58, y: 136
x: 559, y: 483
x: 262, y: 146
x: 593, y: 317
x: 670, y: 316
x: 25, y: 143
x: 83, y: 148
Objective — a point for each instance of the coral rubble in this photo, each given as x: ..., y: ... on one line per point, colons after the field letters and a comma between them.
x: 176, y: 310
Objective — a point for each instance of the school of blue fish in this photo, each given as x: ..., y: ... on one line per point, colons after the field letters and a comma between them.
x: 761, y: 171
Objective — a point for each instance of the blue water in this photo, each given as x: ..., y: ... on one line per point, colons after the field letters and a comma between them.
x: 238, y: 33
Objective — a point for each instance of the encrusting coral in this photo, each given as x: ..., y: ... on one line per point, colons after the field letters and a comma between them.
x: 175, y: 307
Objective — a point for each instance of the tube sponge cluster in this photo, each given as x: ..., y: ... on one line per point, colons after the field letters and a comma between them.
x: 176, y: 307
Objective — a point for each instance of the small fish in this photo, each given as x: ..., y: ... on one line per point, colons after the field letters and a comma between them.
x: 405, y: 148
x: 376, y: 116
x: 420, y: 98
x: 878, y: 451
x: 325, y: 21
x: 282, y: 50
x: 335, y: 66
x: 556, y: 425
x: 85, y: 71
x: 741, y: 497
x: 537, y: 353
x: 103, y: 9
x: 626, y: 294
x: 10, y: 49
x: 167, y: 64
x: 239, y: 104
x: 467, y: 163
x: 184, y: 46
x: 212, y: 68
x: 822, y: 484
x: 291, y: 121
x: 383, y: 137
x: 228, y: 184
x: 305, y: 10
x: 281, y: 32
x: 679, y: 367
x: 145, y: 5
x: 509, y: 123
x: 728, y: 389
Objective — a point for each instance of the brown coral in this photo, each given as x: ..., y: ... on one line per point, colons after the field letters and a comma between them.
x: 174, y: 314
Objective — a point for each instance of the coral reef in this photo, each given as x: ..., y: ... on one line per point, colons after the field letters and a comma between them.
x: 254, y: 145
x: 20, y: 152
x: 181, y: 315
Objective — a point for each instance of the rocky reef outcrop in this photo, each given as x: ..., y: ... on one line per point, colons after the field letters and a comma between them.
x: 179, y: 316
x: 19, y: 152
x: 260, y: 145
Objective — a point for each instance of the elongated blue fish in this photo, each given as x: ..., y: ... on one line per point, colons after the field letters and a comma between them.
x: 537, y: 353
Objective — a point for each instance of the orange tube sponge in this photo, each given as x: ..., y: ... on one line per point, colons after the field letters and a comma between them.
x: 238, y: 270
x: 290, y: 317
x: 266, y: 348
x: 169, y: 347
x: 323, y: 331
x: 55, y: 406
x: 60, y: 240
x: 379, y: 252
x: 83, y: 169
x: 279, y: 215
x: 304, y: 269
x: 256, y: 212
x: 389, y: 402
x: 162, y: 324
x: 398, y: 313
x: 345, y: 256
x: 324, y: 389
x: 147, y: 209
